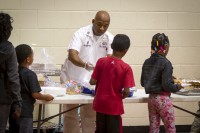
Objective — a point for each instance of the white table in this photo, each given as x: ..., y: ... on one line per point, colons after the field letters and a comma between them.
x: 138, y: 97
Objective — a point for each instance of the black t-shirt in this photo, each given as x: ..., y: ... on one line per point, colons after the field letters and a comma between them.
x: 29, y: 84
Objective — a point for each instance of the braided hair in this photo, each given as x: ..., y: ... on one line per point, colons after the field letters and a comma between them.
x: 5, y: 26
x: 159, y: 43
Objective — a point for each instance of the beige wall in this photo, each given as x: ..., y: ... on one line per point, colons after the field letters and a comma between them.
x: 51, y: 23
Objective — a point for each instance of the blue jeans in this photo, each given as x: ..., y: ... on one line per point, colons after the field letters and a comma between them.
x: 4, y: 114
x: 26, y: 125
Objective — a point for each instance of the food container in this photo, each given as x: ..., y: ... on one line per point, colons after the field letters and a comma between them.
x: 41, y: 79
x: 72, y: 87
x: 191, y: 87
x: 54, y: 91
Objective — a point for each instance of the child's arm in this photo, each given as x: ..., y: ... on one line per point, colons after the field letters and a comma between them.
x: 93, y: 81
x: 125, y: 93
x: 40, y: 96
x: 167, y: 79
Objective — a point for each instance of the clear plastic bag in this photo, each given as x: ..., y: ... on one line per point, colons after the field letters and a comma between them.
x: 44, y: 63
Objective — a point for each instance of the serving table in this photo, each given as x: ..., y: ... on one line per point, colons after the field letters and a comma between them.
x: 138, y: 97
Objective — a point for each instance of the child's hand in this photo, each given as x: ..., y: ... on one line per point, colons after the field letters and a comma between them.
x: 173, y: 77
x: 180, y: 86
x: 48, y: 97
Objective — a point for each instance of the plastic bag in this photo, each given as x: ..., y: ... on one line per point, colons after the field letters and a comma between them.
x: 44, y: 62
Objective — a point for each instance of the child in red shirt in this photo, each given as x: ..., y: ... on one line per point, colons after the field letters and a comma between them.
x: 112, y: 78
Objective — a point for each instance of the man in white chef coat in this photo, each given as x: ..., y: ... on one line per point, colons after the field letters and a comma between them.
x: 87, y: 45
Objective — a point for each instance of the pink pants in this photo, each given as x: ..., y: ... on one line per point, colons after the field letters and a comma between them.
x: 160, y: 107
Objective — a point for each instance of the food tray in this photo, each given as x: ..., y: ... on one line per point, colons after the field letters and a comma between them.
x: 194, y: 92
x: 48, y: 72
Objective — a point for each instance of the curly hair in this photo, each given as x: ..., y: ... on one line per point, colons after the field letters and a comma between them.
x: 5, y: 26
x: 23, y: 51
x: 120, y: 42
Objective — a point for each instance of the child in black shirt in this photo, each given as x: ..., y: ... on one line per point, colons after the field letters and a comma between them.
x: 30, y: 90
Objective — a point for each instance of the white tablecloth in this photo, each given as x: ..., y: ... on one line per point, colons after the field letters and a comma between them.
x: 138, y: 97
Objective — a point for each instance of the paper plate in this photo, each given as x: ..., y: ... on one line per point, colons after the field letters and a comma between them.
x: 185, y: 84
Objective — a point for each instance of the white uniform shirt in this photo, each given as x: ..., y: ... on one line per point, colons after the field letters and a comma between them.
x: 90, y: 50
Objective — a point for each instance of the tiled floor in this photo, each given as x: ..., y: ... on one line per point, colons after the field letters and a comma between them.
x: 144, y: 129
x: 134, y: 129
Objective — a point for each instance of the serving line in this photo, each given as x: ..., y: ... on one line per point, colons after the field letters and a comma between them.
x: 138, y: 97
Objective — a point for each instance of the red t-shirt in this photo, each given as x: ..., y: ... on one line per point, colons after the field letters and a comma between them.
x: 112, y: 75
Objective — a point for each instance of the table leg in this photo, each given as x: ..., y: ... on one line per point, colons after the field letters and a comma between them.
x: 43, y: 116
x: 59, y: 130
x: 40, y: 122
x: 197, y: 115
x: 39, y: 118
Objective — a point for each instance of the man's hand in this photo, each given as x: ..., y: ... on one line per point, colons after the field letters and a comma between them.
x: 89, y: 66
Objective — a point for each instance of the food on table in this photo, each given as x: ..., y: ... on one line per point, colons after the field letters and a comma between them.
x: 41, y: 79
x: 178, y: 81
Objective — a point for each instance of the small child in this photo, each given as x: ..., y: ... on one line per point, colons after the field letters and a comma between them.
x: 112, y: 78
x: 30, y: 90
x: 158, y: 82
